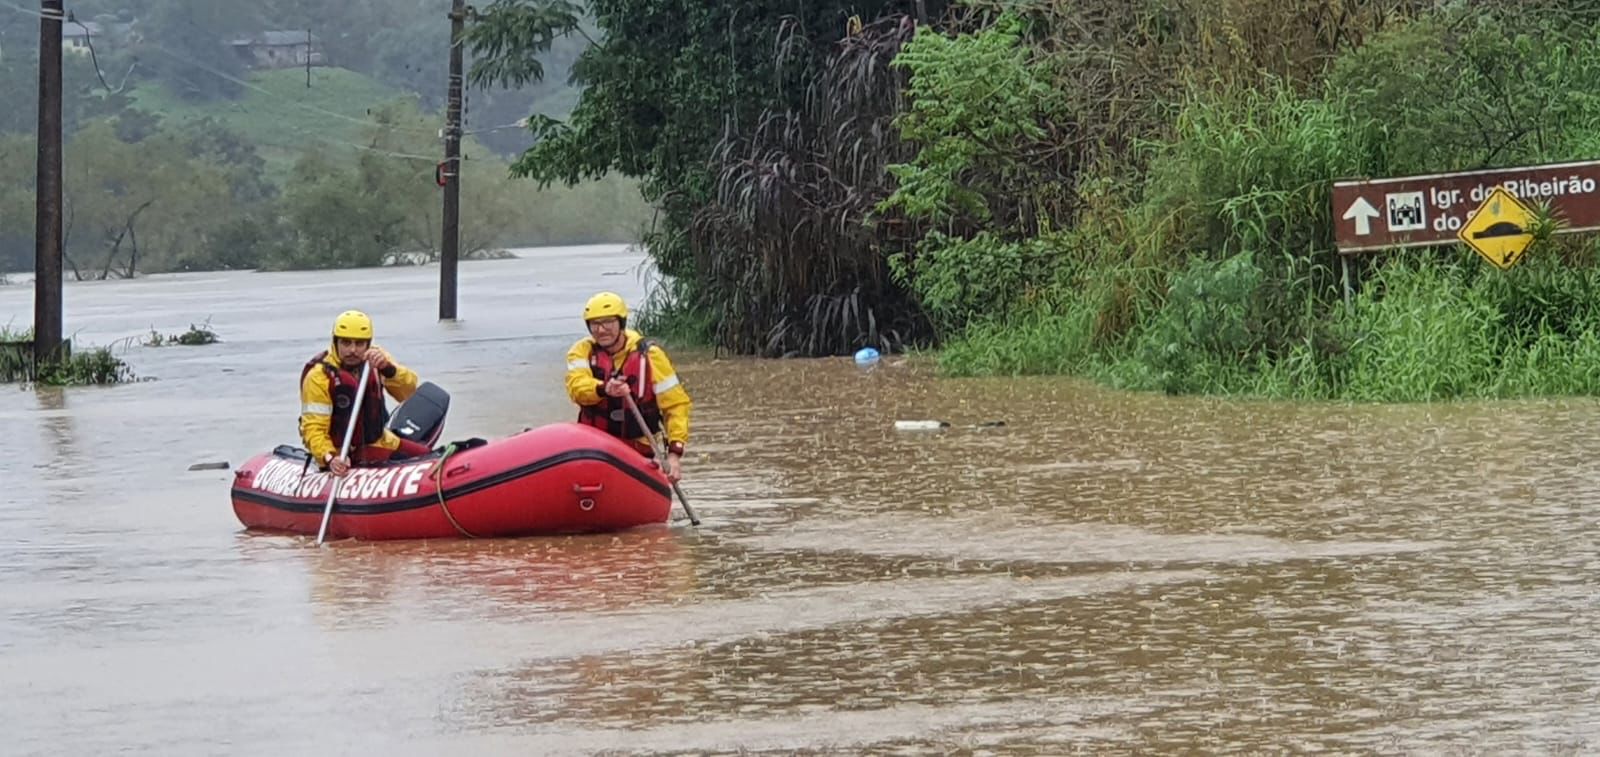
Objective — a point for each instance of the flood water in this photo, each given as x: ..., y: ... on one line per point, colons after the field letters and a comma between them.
x: 1105, y: 573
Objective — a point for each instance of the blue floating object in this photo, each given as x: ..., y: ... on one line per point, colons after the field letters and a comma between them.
x: 866, y: 356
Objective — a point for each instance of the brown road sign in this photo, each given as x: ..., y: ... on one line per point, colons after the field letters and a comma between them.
x: 1415, y: 211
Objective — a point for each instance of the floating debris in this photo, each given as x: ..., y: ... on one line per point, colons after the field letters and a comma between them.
x: 940, y: 425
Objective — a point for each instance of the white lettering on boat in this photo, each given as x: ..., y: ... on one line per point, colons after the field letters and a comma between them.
x: 287, y: 479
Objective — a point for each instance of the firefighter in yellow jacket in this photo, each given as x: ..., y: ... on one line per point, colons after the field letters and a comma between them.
x: 328, y: 385
x: 614, y: 362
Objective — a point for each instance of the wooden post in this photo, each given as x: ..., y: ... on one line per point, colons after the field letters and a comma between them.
x: 47, y: 242
x: 450, y: 244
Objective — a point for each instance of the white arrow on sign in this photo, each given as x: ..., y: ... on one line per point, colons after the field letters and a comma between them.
x: 1363, y: 213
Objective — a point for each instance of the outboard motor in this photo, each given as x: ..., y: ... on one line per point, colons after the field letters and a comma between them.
x: 421, y: 418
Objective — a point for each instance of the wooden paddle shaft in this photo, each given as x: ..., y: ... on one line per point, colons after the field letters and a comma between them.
x: 344, y: 449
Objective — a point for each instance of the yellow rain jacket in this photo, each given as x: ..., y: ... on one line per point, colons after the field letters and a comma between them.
x: 316, y: 405
x: 665, y: 387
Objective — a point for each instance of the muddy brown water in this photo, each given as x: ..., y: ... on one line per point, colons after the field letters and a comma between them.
x: 1106, y: 573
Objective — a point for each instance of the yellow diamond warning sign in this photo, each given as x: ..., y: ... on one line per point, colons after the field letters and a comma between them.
x: 1498, y: 229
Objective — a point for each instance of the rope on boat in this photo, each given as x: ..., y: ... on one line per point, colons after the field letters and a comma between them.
x: 438, y: 488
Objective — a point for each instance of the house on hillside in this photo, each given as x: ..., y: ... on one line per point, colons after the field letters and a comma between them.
x: 278, y: 49
x: 75, y: 36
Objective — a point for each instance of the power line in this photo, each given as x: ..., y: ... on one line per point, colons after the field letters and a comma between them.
x: 35, y: 12
x: 312, y: 108
x: 88, y: 39
x: 432, y: 159
x: 521, y: 123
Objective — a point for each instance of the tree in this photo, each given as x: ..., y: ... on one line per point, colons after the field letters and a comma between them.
x: 16, y: 204
x: 490, y: 112
x: 789, y: 250
x: 341, y: 218
x: 666, y: 82
x: 142, y: 206
x: 488, y: 201
x: 83, y: 96
x: 213, y: 142
x: 186, y: 43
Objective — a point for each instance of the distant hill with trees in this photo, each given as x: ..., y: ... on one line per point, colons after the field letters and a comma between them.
x: 194, y: 142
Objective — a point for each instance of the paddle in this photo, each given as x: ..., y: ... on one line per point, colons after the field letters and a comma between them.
x: 344, y: 449
x: 661, y: 455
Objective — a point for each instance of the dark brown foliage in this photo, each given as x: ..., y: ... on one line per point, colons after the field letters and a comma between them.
x: 787, y: 240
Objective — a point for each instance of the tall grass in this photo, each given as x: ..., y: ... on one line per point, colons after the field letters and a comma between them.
x: 1417, y: 333
x: 1423, y: 331
x: 1213, y: 270
x: 666, y: 317
x: 1424, y: 328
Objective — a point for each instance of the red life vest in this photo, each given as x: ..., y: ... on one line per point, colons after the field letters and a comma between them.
x: 611, y: 414
x: 342, y: 385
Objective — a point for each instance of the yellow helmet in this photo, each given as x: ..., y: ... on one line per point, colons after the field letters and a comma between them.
x: 605, y: 305
x: 352, y: 324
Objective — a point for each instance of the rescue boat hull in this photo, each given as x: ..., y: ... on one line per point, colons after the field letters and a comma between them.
x: 558, y: 479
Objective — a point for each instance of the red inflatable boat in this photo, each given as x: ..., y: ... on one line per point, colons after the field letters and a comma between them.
x: 556, y: 479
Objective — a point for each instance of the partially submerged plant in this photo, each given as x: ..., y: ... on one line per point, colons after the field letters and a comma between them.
x: 196, y: 335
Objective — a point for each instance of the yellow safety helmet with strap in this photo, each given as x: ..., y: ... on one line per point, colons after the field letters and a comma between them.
x: 352, y: 324
x: 605, y: 305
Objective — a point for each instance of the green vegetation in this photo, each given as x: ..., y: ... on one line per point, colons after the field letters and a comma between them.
x: 282, y: 118
x: 1132, y: 191
x: 1211, y: 270
x: 765, y: 155
x: 94, y: 366
x: 196, y: 335
x: 312, y: 179
x: 1112, y: 189
x: 182, y: 155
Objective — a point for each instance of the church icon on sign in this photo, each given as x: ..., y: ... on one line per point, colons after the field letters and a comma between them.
x: 1405, y: 211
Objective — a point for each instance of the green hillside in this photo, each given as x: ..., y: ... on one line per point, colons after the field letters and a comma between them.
x: 353, y: 161
x: 284, y: 118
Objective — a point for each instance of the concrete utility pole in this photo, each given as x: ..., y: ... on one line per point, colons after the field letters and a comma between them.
x: 450, y: 173
x: 47, y: 192
x: 308, y: 57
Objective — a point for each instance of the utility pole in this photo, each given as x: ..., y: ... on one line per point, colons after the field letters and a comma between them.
x: 47, y: 192
x: 450, y: 245
x: 308, y: 57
